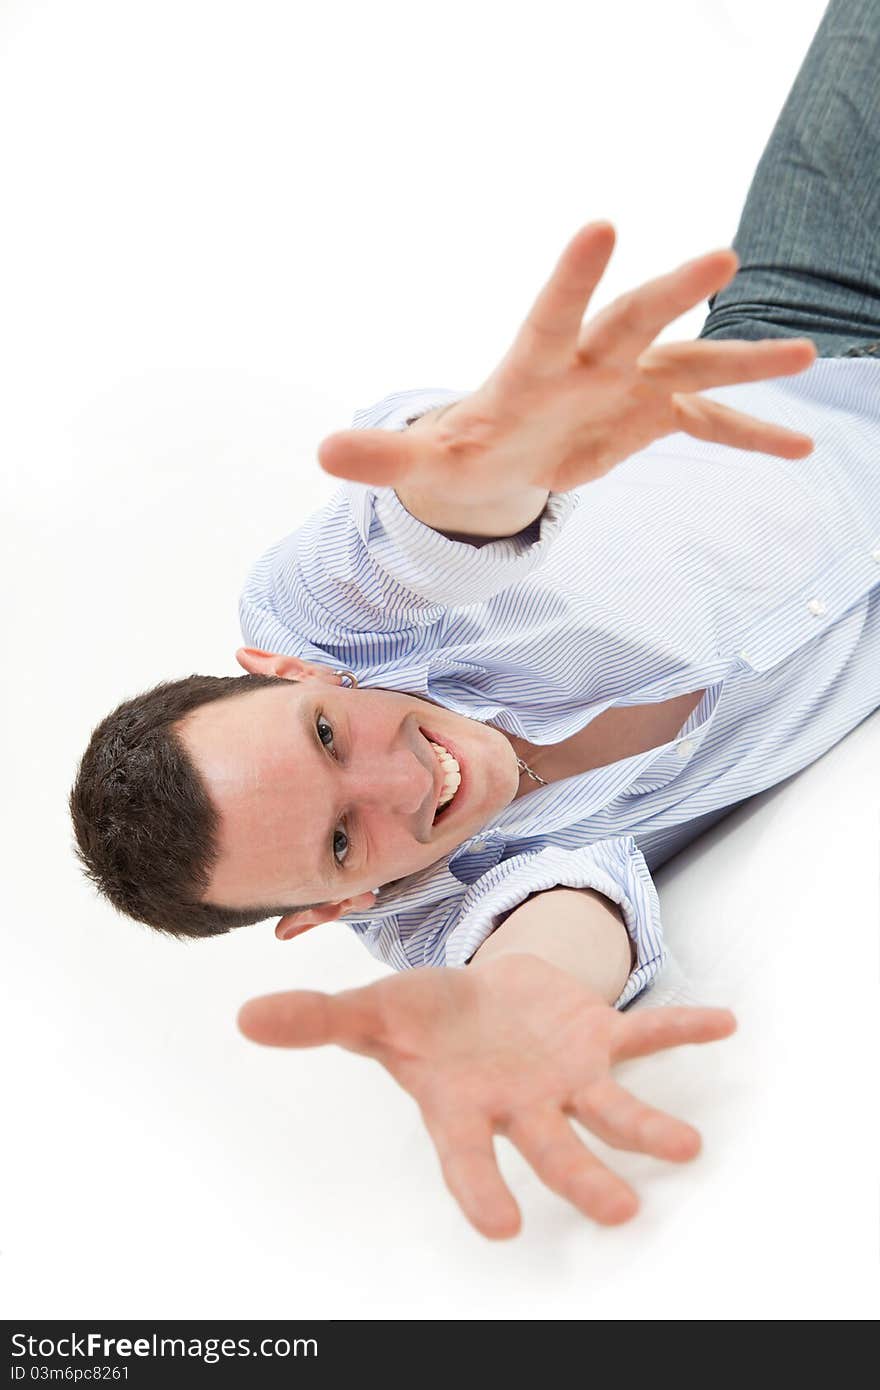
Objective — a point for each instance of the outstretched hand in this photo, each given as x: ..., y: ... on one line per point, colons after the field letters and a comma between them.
x: 518, y: 1048
x: 571, y: 399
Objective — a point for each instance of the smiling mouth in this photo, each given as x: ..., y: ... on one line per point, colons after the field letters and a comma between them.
x: 451, y: 792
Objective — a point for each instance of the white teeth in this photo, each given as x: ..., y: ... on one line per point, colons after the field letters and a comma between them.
x: 451, y: 774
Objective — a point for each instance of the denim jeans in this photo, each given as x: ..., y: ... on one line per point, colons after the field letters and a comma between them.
x: 809, y: 234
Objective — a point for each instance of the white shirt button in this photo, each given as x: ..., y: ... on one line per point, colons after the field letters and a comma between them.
x: 478, y: 845
x: 817, y: 607
x: 875, y: 555
x: 685, y: 747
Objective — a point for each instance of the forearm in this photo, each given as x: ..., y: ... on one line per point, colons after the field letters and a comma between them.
x: 576, y: 929
x: 460, y: 520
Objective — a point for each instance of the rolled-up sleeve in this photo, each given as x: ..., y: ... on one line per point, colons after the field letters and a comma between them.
x: 424, y: 561
x: 363, y: 568
x: 449, y: 933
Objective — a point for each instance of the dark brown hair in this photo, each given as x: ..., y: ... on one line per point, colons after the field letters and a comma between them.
x: 146, y: 829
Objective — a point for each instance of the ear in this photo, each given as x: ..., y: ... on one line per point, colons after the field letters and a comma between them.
x: 260, y: 663
x: 295, y: 923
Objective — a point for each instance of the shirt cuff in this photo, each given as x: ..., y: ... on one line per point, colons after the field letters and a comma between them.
x: 614, y: 867
x: 443, y: 571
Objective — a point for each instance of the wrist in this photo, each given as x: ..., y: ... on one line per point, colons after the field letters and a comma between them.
x: 524, y: 959
x: 495, y: 518
x: 578, y: 930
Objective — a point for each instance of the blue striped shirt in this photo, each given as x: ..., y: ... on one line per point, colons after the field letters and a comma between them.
x: 688, y: 566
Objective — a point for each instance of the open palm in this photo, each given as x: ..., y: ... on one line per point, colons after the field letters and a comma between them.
x: 571, y: 399
x: 517, y: 1048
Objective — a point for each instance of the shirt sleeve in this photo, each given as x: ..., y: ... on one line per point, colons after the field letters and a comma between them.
x: 450, y: 932
x: 363, y: 565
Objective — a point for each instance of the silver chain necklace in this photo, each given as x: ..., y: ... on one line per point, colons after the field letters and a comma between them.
x: 525, y: 767
x: 350, y: 680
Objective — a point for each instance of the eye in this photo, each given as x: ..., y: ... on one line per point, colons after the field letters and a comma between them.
x: 341, y: 839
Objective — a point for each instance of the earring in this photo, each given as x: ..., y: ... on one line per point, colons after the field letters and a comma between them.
x: 348, y: 679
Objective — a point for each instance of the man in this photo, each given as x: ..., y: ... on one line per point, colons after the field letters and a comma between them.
x: 544, y: 634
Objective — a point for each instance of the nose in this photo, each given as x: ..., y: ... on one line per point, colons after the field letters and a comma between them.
x: 396, y: 782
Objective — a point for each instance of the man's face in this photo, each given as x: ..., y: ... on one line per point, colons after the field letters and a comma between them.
x: 325, y: 792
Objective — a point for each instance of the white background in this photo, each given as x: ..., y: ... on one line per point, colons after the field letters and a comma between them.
x: 226, y: 227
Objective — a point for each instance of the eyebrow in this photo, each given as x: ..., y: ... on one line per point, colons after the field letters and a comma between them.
x: 324, y: 859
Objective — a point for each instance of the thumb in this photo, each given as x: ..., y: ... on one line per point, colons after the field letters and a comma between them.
x: 308, y: 1018
x: 296, y: 1018
x: 382, y: 457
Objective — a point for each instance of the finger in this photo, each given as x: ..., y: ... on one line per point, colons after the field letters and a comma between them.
x: 636, y: 1034
x: 624, y: 1122
x: 380, y: 457
x: 697, y: 366
x: 717, y: 423
x: 630, y: 323
x: 549, y: 335
x: 564, y: 1164
x: 308, y: 1018
x: 471, y: 1173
